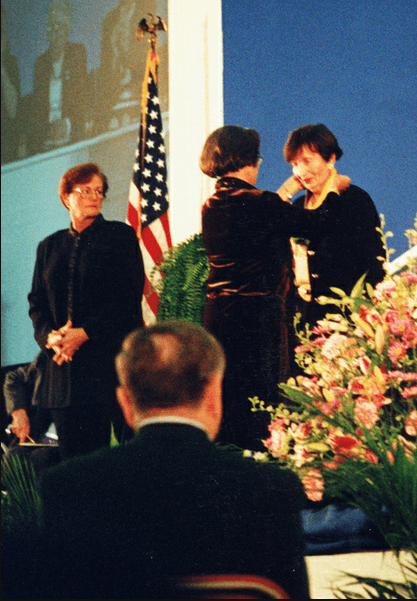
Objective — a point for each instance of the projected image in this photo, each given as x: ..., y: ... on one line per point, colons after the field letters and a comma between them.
x: 86, y: 82
x: 10, y: 98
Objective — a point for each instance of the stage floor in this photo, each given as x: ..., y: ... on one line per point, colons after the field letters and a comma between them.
x: 326, y: 571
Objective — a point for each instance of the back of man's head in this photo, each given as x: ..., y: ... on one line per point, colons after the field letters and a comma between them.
x: 169, y: 364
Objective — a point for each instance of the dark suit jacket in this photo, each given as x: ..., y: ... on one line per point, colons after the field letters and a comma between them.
x: 107, y: 287
x: 171, y: 500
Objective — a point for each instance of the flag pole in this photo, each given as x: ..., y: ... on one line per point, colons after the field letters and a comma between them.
x: 148, y: 193
x: 152, y: 61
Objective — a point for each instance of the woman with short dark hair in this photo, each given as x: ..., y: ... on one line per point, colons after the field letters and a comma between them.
x: 350, y: 243
x: 249, y: 305
x: 86, y: 297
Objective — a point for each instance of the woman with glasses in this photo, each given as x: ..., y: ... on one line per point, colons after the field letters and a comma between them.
x: 249, y: 304
x: 86, y: 297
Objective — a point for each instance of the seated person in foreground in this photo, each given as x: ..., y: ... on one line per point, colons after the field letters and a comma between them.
x: 22, y: 392
x: 170, y: 500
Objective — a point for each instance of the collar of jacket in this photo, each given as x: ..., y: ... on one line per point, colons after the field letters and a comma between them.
x: 98, y: 221
x: 232, y: 183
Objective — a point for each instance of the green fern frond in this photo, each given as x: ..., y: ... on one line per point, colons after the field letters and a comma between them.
x: 180, y: 281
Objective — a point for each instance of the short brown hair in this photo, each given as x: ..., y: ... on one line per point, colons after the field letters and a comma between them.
x: 228, y: 149
x: 169, y: 364
x: 318, y: 138
x: 80, y: 174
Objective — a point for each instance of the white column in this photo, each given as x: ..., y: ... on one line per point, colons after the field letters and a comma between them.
x: 195, y: 46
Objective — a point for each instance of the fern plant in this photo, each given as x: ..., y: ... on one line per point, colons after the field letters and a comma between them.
x: 180, y: 281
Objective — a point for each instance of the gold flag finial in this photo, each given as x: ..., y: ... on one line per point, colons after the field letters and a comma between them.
x: 152, y: 28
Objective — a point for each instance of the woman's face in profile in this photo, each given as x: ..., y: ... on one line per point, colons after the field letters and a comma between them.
x: 311, y: 169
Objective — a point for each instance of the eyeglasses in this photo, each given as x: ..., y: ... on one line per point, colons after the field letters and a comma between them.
x: 84, y: 192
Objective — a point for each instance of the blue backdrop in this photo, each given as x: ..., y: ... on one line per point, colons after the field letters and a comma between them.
x: 349, y: 65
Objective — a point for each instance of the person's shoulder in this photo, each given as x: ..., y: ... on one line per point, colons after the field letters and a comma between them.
x: 272, y: 202
x: 81, y: 469
x: 54, y: 237
x: 117, y: 226
x: 262, y: 474
x: 358, y: 202
x: 119, y: 231
x: 21, y: 372
x: 355, y: 193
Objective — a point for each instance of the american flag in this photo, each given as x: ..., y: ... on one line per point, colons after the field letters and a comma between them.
x: 148, y: 205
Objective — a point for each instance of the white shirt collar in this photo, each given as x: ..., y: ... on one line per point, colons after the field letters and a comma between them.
x: 172, y: 419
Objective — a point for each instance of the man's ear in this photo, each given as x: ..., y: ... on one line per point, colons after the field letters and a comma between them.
x: 127, y: 406
x: 213, y: 405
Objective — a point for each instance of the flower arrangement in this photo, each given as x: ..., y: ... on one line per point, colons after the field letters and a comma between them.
x: 359, y: 382
x: 351, y: 431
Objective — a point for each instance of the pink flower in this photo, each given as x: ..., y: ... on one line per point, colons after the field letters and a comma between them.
x: 277, y: 424
x: 364, y: 364
x: 407, y: 393
x: 372, y: 386
x: 408, y: 446
x: 313, y: 483
x: 331, y: 465
x: 403, y: 327
x: 384, y: 290
x: 300, y: 431
x: 372, y: 316
x: 333, y: 346
x: 321, y: 328
x: 277, y: 443
x: 301, y: 455
x: 370, y: 456
x: 344, y: 445
x: 330, y: 406
x: 309, y: 384
x: 303, y: 348
x: 366, y: 412
x: 411, y: 423
x: 403, y: 376
x: 409, y: 277
x: 396, y: 351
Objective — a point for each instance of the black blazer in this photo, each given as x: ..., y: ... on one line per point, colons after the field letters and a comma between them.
x: 107, y: 289
x: 347, y: 246
x: 173, y: 501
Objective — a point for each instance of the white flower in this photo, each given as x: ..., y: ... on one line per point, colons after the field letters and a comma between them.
x: 258, y: 456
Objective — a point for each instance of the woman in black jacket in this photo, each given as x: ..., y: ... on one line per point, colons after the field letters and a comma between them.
x: 86, y: 297
x: 350, y: 243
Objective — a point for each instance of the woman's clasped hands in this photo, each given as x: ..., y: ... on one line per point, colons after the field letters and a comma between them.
x: 65, y: 342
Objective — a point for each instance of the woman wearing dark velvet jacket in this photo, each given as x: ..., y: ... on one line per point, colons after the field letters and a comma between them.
x: 249, y: 305
x: 86, y: 297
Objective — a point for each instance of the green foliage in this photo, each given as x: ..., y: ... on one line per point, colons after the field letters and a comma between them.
x: 20, y: 501
x: 182, y: 287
